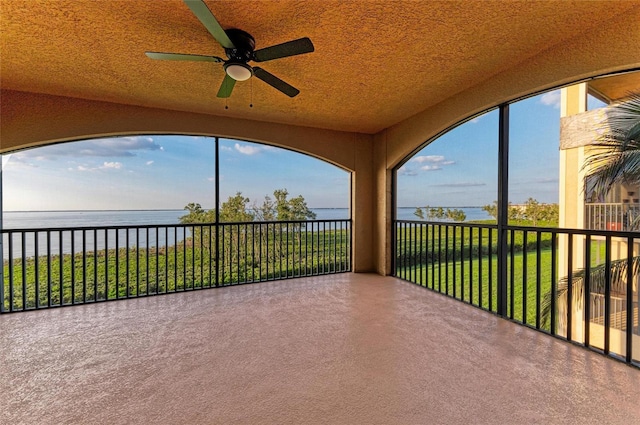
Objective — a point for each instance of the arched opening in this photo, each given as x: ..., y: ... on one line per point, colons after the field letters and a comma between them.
x: 122, y: 217
x: 504, y: 217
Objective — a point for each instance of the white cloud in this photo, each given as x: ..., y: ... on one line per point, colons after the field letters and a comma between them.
x: 109, y: 147
x: 211, y: 179
x: 428, y: 158
x: 149, y: 162
x: 105, y: 166
x: 114, y: 165
x: 404, y: 171
x: 431, y: 163
x: 18, y: 160
x: 247, y: 149
x: 551, y: 98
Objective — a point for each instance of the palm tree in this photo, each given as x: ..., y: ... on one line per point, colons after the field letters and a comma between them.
x: 597, y: 282
x: 617, y: 152
x: 616, y: 160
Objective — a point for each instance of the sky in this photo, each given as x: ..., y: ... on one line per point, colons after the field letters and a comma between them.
x: 162, y: 172
x: 458, y: 169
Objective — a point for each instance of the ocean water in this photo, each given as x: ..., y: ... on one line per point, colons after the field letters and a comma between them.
x: 52, y: 242
x: 66, y: 219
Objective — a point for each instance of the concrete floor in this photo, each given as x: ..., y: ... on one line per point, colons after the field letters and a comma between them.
x: 342, y: 349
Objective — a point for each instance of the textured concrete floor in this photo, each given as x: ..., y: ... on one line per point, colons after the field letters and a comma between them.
x: 343, y: 349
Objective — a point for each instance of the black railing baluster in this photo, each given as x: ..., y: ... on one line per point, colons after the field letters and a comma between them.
x: 11, y: 294
x: 117, y: 260
x: 158, y: 291
x: 106, y: 264
x: 137, y: 262
x: 184, y: 258
x: 629, y: 302
x: 607, y: 294
x: 95, y: 266
x: 23, y: 237
x: 84, y: 266
x: 525, y: 291
x: 480, y: 280
x: 209, y: 252
x: 490, y: 271
x: 2, y: 289
x: 538, y: 277
x: 512, y: 278
x: 36, y: 265
x: 175, y: 260
x: 554, y: 283
x: 587, y: 291
x: 462, y: 264
x: 569, y: 285
x: 455, y: 262
x: 127, y: 280
x: 193, y: 257
x: 61, y: 267
x: 446, y: 259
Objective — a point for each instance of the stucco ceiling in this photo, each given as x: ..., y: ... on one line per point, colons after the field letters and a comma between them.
x: 375, y: 63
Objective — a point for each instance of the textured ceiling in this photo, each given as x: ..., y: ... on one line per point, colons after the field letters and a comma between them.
x: 375, y: 62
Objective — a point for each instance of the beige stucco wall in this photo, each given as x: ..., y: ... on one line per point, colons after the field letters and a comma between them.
x: 33, y: 119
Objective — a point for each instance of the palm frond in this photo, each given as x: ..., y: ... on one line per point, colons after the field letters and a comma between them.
x: 617, y: 152
x: 597, y: 283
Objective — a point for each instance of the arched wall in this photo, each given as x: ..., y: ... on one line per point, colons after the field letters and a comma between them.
x: 594, y: 52
x: 30, y: 119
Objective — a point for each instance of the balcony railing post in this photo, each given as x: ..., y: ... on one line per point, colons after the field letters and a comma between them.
x: 503, y: 206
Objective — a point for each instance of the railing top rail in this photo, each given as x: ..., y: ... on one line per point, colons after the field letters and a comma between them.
x: 449, y: 223
x: 154, y: 226
x: 557, y: 230
x: 612, y: 204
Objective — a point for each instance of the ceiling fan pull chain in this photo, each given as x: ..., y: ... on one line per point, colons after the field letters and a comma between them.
x: 251, y: 104
x: 226, y: 103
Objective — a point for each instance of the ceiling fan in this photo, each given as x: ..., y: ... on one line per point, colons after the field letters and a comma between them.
x: 239, y: 48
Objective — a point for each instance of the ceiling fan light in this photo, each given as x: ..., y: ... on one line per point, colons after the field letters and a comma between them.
x: 238, y: 71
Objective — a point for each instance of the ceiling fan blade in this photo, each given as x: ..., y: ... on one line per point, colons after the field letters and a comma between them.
x: 183, y: 57
x: 275, y: 82
x: 203, y: 13
x: 290, y: 48
x: 226, y: 87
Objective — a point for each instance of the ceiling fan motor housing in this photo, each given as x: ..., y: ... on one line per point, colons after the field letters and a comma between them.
x: 244, y: 45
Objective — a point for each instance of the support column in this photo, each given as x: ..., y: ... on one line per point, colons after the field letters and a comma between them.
x: 362, y: 205
x: 571, y: 196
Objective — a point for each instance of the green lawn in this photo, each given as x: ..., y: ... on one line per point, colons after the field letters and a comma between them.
x: 106, y: 275
x: 470, y: 281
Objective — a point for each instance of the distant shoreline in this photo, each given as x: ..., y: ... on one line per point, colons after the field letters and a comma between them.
x: 151, y: 210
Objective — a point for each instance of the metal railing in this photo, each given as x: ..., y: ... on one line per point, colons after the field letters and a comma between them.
x: 543, y: 278
x: 611, y: 216
x: 56, y: 267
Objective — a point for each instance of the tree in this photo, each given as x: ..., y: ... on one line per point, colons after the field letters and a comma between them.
x: 492, y: 209
x: 196, y: 214
x: 291, y: 209
x: 266, y: 211
x: 418, y: 213
x: 234, y: 209
x: 456, y: 215
x: 617, y: 151
x: 533, y: 211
